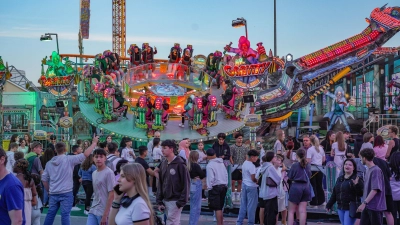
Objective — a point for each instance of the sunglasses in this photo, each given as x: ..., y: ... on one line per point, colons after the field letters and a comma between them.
x: 126, y: 201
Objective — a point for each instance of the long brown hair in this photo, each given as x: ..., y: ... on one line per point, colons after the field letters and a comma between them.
x: 87, y: 163
x: 301, y: 153
x: 193, y: 158
x: 315, y: 142
x: 135, y: 172
x: 340, y: 141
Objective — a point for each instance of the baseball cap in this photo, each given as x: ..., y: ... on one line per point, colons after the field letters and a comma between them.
x: 210, y: 152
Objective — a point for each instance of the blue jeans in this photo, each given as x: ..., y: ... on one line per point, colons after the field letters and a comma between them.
x: 195, y: 201
x: 248, y: 204
x: 64, y: 201
x: 345, y: 218
x: 93, y: 219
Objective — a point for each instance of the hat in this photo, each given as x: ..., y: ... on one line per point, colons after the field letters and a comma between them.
x: 210, y: 152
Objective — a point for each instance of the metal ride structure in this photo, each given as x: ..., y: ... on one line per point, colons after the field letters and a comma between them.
x: 119, y: 27
x: 4, y: 76
x: 296, y: 87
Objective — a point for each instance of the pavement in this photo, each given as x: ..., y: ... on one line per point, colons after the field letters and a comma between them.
x: 80, y: 220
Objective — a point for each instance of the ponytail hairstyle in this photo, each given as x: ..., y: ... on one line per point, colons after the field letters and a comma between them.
x: 315, y: 142
x: 301, y: 154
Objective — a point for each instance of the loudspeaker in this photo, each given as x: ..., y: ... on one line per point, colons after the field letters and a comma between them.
x: 61, y: 104
x: 249, y: 99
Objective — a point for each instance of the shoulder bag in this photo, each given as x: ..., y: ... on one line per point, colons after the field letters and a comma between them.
x: 309, y: 183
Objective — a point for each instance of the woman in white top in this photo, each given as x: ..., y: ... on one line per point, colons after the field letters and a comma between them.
x: 279, y: 148
x: 131, y: 203
x: 316, y: 156
x: 202, y: 159
x: 156, y: 151
x: 22, y: 146
x: 339, y: 152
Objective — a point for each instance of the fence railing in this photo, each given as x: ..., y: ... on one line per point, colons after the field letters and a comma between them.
x: 376, y: 121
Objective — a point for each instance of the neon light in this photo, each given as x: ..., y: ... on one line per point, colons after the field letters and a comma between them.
x: 246, y: 70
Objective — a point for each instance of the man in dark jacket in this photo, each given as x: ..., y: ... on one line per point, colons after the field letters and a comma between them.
x: 174, y: 184
x: 76, y: 149
x: 221, y: 148
x: 359, y: 141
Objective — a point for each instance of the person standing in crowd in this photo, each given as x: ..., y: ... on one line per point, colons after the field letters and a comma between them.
x: 127, y: 152
x: 347, y: 193
x: 238, y: 152
x: 30, y: 194
x: 28, y: 139
x: 109, y: 139
x: 346, y: 135
x: 120, y: 164
x: 22, y: 146
x: 150, y: 145
x: 380, y: 148
x: 306, y: 142
x: 86, y: 145
x: 339, y: 151
x: 282, y: 188
x: 269, y: 188
x: 12, y: 195
x: 57, y: 180
x: 222, y: 149
x: 35, y: 166
x: 12, y: 148
x: 358, y: 141
x: 184, y: 149
x: 131, y: 203
x: 300, y: 191
x: 202, y: 159
x: 217, y: 181
x: 122, y: 145
x: 374, y: 191
x: 395, y: 185
x: 384, y: 166
x: 44, y: 159
x: 149, y: 172
x: 14, y: 139
x: 279, y: 147
x: 76, y: 150
x: 327, y: 144
x: 103, y: 186
x: 85, y: 174
x: 196, y: 175
x: 249, y: 199
x: 174, y: 184
x: 18, y: 155
x: 368, y: 138
x: 112, y: 159
x: 52, y: 142
x: 157, y: 150
x: 394, y: 145
x: 316, y: 156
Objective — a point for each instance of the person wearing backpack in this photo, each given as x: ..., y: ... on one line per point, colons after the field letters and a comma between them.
x: 112, y: 158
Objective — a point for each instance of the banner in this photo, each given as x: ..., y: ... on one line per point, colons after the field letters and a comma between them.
x: 85, y: 18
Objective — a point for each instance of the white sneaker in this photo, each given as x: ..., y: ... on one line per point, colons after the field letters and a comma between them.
x: 238, y: 196
x: 182, y: 125
x: 75, y: 208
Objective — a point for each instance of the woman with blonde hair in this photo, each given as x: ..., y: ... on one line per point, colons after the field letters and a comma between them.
x: 279, y: 147
x: 131, y: 201
x: 316, y: 157
x: 339, y: 152
x: 196, y: 174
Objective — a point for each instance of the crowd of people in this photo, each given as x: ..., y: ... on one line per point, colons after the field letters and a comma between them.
x: 280, y: 183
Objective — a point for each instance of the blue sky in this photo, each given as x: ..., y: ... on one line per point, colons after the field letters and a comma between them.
x: 303, y: 26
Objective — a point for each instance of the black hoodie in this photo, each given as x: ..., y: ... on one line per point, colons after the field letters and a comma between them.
x: 174, y: 182
x: 222, y: 150
x: 345, y: 192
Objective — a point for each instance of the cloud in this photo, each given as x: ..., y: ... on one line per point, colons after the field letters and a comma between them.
x: 29, y: 28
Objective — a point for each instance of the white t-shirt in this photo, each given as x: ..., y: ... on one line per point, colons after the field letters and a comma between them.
x: 278, y: 147
x: 157, y: 153
x: 316, y: 157
x: 248, y: 169
x: 340, y: 156
x: 125, y: 154
x: 136, y: 212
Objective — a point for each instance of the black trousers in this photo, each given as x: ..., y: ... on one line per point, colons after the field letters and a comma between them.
x: 369, y: 217
x: 75, y: 190
x: 316, y: 183
x: 270, y: 211
x: 88, y: 187
x: 396, y: 212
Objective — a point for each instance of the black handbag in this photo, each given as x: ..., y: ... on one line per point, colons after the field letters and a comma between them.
x: 270, y: 182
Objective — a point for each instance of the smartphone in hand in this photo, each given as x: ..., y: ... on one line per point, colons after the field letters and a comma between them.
x: 116, y: 189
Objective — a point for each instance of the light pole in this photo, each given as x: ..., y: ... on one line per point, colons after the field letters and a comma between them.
x: 240, y: 22
x: 275, y: 51
x: 47, y: 37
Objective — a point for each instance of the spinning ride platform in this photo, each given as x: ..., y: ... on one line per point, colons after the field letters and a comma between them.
x: 169, y: 82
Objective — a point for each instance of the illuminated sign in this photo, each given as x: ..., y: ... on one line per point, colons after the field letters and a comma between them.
x: 247, y: 70
x: 85, y: 18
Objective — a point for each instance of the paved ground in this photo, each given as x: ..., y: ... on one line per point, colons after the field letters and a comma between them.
x: 78, y: 220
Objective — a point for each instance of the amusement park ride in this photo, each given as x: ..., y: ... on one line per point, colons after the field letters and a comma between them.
x: 209, y: 92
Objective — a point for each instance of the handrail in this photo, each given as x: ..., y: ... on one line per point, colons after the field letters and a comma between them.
x: 376, y: 121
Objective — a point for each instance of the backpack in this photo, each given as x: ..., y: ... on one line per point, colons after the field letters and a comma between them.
x: 110, y: 164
